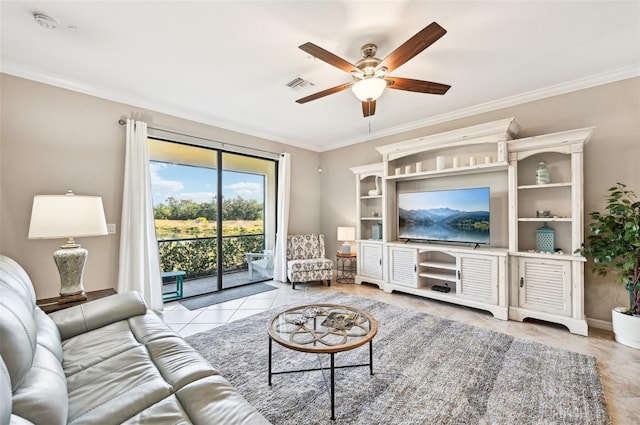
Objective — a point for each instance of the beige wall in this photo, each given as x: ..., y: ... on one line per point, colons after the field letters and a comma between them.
x: 53, y: 139
x: 612, y: 155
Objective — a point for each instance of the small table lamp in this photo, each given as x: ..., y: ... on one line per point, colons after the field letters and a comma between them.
x: 346, y: 234
x: 68, y: 216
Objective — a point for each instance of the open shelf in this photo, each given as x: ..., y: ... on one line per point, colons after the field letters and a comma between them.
x: 544, y: 186
x: 467, y: 169
x: 447, y: 277
x: 543, y: 219
x: 439, y: 265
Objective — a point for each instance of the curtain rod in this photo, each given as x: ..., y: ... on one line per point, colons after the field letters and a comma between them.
x: 124, y: 122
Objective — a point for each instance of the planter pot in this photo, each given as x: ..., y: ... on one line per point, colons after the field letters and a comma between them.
x: 626, y: 328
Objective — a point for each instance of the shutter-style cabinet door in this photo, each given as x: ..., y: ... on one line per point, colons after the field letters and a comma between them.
x: 370, y: 260
x: 545, y: 285
x: 478, y: 278
x: 403, y: 266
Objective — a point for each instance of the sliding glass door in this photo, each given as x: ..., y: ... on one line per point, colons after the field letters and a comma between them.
x: 214, y: 214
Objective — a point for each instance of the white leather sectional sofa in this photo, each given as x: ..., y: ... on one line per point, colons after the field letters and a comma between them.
x: 109, y: 361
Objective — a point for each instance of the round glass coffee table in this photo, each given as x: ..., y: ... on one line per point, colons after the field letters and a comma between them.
x: 323, y: 328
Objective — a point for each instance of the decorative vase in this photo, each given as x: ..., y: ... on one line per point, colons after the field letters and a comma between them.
x: 626, y: 328
x: 545, y: 239
x: 542, y: 173
x: 377, y: 191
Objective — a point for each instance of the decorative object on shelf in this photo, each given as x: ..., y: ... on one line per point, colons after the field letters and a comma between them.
x: 545, y: 239
x: 542, y: 173
x: 68, y: 216
x: 418, y: 166
x: 472, y: 160
x: 374, y: 214
x: 346, y: 234
x: 407, y: 169
x: 440, y: 162
x: 398, y: 171
x: 377, y: 191
x: 614, y: 246
x: 543, y: 214
x: 376, y: 231
x: 456, y: 162
x: 488, y: 159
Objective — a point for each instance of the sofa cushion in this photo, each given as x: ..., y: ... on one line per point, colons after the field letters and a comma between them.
x: 309, y: 265
x: 42, y: 396
x: 88, y: 349
x: 47, y: 333
x: 115, y: 389
x: 5, y: 393
x: 18, y: 338
x: 213, y: 400
x: 148, y: 327
x: 104, y: 311
x: 167, y: 411
x: 178, y: 362
x: 16, y: 279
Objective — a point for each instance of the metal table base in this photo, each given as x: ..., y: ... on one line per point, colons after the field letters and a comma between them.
x: 332, y: 368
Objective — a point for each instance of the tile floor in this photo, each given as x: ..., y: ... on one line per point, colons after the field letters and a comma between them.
x: 618, y: 365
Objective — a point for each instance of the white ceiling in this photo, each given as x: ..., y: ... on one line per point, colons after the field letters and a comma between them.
x: 225, y: 63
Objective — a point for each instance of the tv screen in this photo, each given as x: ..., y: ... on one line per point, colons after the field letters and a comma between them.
x: 458, y: 215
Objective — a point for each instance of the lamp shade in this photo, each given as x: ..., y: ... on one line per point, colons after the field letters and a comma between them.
x: 369, y: 88
x: 66, y: 216
x: 346, y: 233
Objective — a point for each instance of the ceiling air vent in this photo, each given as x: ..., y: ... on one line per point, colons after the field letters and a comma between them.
x: 299, y: 84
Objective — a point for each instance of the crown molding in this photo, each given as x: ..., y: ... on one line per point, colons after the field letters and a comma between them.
x: 101, y: 92
x: 530, y: 96
x: 119, y: 97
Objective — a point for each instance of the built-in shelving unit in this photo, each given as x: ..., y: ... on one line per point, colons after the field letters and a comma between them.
x: 508, y: 278
x: 547, y: 286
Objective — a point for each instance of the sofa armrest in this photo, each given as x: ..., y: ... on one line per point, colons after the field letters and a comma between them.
x: 95, y: 314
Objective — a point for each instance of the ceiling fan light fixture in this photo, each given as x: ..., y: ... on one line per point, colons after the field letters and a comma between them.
x: 369, y: 88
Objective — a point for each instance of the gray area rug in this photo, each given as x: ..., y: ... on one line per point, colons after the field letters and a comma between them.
x: 427, y: 370
x: 226, y: 295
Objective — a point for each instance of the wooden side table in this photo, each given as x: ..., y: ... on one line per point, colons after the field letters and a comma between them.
x: 49, y: 305
x: 346, y: 267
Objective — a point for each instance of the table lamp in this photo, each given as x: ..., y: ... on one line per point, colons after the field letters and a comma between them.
x: 68, y: 216
x: 346, y: 234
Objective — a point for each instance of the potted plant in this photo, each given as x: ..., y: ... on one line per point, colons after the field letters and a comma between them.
x: 614, y: 246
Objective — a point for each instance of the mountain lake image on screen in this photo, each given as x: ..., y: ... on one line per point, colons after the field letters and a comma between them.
x: 457, y: 215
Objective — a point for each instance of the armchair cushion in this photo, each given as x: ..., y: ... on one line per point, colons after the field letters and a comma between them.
x: 309, y: 265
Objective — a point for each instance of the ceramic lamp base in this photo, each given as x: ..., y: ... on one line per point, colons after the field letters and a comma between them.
x: 346, y: 248
x: 70, y: 262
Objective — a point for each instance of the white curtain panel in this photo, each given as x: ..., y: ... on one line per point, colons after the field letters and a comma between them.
x: 284, y: 187
x: 139, y: 261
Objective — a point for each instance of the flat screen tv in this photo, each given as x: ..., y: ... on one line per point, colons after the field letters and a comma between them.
x: 458, y: 215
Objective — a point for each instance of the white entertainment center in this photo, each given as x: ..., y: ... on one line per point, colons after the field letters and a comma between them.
x: 506, y: 277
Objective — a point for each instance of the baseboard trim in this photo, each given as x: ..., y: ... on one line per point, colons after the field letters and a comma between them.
x: 599, y: 324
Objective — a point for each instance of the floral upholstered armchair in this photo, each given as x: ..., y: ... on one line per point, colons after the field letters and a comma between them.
x: 305, y: 259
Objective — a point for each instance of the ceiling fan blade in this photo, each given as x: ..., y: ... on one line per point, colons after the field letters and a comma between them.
x: 419, y: 86
x: 416, y: 44
x: 324, y: 93
x: 368, y: 108
x: 328, y: 57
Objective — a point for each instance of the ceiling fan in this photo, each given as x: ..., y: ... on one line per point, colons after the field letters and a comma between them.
x: 370, y: 74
